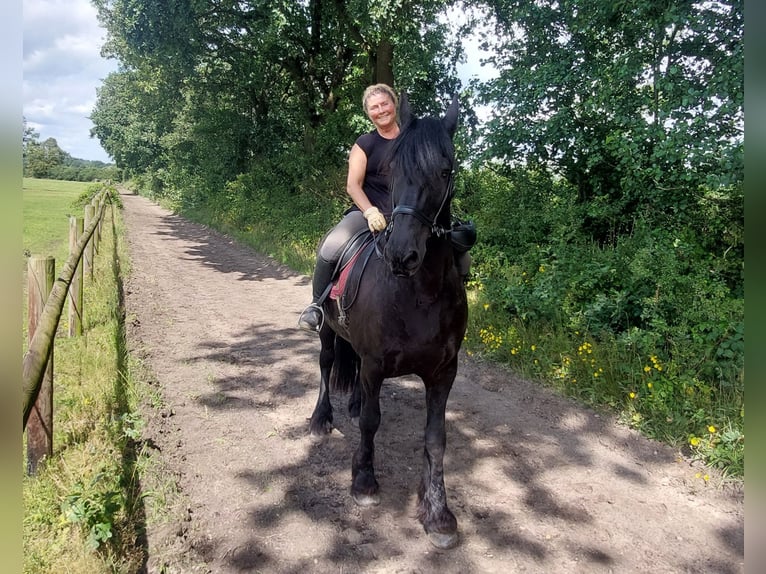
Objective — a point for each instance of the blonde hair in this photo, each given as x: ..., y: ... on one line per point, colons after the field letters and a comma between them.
x: 376, y: 89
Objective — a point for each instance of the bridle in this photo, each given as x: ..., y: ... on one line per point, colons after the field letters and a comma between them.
x: 436, y: 230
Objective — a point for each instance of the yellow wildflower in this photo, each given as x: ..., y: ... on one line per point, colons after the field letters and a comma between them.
x: 632, y: 395
x: 647, y: 368
x: 694, y: 441
x: 649, y: 385
x: 711, y: 429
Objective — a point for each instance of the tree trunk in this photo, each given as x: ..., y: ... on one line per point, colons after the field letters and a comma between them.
x: 384, y: 72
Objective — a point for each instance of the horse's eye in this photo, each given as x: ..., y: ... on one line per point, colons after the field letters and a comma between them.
x: 446, y: 173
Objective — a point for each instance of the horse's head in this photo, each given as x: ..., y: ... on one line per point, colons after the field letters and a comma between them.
x: 422, y: 167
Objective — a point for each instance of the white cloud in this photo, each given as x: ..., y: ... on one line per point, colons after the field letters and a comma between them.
x: 62, y: 68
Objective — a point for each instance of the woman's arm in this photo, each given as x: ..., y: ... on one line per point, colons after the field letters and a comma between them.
x: 357, y: 166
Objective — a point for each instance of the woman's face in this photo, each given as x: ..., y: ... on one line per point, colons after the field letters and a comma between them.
x: 381, y: 110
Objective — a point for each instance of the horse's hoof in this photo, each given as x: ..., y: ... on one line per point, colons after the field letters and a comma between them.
x: 443, y: 541
x: 320, y: 431
x: 366, y: 500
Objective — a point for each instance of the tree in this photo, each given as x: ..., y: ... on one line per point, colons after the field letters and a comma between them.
x: 43, y: 158
x: 131, y: 114
x: 639, y: 105
x: 29, y: 138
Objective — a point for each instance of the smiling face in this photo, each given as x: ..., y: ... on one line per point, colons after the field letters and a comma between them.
x: 381, y: 110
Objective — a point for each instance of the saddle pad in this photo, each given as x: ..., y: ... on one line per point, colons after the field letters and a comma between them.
x: 340, y: 284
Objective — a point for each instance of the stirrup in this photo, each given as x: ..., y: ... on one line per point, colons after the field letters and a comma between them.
x: 305, y: 325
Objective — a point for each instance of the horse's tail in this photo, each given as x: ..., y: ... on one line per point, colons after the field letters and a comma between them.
x: 345, y: 368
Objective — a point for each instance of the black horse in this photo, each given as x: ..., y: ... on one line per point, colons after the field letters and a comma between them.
x: 409, y: 316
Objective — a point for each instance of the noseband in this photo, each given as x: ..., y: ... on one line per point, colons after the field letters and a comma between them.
x: 436, y: 230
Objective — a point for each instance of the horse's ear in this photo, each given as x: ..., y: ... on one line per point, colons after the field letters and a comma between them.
x: 450, y: 117
x: 405, y: 114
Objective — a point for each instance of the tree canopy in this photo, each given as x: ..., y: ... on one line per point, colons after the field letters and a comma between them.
x: 633, y: 103
x: 637, y: 104
x: 222, y: 83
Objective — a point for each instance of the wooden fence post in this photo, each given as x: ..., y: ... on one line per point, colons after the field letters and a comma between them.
x: 88, y: 253
x: 40, y: 277
x: 75, y: 288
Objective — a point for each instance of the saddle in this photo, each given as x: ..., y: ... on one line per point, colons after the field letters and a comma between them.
x: 353, y: 261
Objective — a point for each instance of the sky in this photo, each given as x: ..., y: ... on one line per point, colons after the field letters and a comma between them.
x: 62, y: 68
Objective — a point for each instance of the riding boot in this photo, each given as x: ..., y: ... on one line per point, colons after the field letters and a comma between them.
x: 312, y: 317
x: 463, y: 237
x: 463, y: 263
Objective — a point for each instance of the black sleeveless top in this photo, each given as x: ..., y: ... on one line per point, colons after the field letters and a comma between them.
x: 376, y: 176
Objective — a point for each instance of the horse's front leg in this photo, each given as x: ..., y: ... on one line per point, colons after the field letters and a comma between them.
x: 321, y: 418
x: 364, y: 487
x: 437, y: 519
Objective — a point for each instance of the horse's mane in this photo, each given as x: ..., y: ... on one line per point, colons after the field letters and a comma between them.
x: 419, y: 149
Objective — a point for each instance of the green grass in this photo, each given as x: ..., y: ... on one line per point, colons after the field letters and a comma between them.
x: 83, y: 511
x: 48, y: 205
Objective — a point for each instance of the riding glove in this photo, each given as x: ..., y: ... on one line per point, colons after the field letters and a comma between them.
x: 375, y: 219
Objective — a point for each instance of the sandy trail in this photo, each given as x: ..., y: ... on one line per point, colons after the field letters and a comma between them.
x: 538, y: 483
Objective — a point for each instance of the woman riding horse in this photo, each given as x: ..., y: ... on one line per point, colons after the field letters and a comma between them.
x: 367, y: 183
x: 408, y: 316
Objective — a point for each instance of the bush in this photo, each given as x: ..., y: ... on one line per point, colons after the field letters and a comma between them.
x: 651, y: 325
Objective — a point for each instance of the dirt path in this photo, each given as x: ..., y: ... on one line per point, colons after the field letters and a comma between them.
x: 537, y: 483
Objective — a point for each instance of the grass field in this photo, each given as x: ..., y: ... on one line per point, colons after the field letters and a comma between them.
x: 46, y: 212
x: 47, y: 206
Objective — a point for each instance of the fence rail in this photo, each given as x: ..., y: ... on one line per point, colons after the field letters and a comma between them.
x: 37, y: 383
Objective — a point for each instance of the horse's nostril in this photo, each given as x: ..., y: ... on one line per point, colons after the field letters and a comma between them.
x: 405, y: 265
x: 411, y: 259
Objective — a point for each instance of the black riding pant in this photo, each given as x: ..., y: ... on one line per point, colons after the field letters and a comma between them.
x: 331, y: 247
